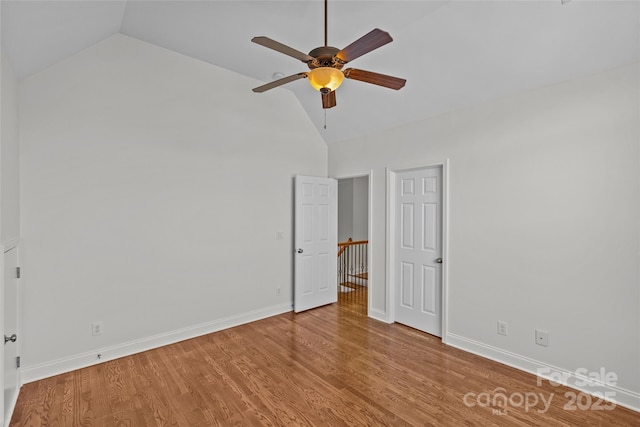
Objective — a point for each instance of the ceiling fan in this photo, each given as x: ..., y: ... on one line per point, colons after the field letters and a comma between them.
x: 326, y: 62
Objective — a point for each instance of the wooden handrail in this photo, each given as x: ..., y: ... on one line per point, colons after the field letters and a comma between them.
x: 351, y: 243
x: 344, y: 245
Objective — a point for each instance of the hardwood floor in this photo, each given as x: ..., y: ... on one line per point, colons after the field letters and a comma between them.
x: 355, y: 299
x: 325, y: 367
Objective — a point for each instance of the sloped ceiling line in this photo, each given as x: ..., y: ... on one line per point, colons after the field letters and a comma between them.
x: 453, y: 53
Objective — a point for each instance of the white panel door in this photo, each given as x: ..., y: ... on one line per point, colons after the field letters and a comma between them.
x: 10, y: 317
x: 418, y: 249
x: 2, y: 414
x: 316, y: 242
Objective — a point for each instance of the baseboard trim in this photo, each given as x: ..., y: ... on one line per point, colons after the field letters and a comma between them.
x: 620, y: 396
x: 78, y: 361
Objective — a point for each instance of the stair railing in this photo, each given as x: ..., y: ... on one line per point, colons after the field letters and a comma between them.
x: 352, y: 273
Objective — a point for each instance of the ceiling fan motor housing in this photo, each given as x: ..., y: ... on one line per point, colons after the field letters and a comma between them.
x: 325, y: 56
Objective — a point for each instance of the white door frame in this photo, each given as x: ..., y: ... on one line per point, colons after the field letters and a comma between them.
x: 391, y: 173
x: 370, y: 275
x: 5, y: 416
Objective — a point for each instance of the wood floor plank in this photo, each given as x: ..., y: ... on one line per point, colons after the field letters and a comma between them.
x: 325, y: 367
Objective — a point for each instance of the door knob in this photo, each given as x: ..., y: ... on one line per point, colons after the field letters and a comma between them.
x: 299, y: 251
x: 439, y: 261
x: 12, y: 338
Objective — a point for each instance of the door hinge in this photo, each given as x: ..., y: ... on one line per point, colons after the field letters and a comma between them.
x: 18, y: 272
x: 18, y: 362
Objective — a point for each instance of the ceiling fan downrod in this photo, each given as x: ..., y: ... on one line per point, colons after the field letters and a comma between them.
x: 326, y: 26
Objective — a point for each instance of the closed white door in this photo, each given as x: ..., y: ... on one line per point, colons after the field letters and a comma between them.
x: 418, y: 249
x: 316, y: 242
x: 10, y: 317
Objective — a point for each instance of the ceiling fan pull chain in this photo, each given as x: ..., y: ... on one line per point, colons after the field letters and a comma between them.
x: 325, y: 118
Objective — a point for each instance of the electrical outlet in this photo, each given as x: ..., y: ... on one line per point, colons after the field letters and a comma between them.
x: 280, y: 235
x: 96, y: 328
x: 542, y: 338
x: 278, y: 290
x: 503, y: 328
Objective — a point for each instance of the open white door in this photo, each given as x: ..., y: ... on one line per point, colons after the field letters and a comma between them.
x: 316, y: 242
x: 10, y: 328
x: 2, y: 269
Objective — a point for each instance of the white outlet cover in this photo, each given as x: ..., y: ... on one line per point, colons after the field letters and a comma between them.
x: 503, y: 328
x: 542, y: 338
x: 96, y: 328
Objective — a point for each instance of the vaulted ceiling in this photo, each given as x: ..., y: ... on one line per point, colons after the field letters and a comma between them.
x: 454, y: 54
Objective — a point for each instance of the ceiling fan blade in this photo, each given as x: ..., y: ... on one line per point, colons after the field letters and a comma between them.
x: 279, y: 82
x: 375, y: 78
x: 365, y: 44
x: 277, y: 46
x: 329, y: 99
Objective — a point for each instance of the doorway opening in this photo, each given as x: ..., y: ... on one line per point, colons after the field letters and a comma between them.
x: 353, y: 244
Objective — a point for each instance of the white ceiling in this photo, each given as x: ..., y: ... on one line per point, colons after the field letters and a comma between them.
x: 454, y: 54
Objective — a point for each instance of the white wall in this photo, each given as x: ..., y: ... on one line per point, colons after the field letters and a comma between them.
x: 9, y: 179
x: 353, y: 208
x: 153, y: 186
x: 345, y: 209
x: 544, y: 221
x: 360, y: 208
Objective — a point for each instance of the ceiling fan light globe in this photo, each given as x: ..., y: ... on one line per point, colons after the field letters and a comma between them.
x: 325, y: 78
